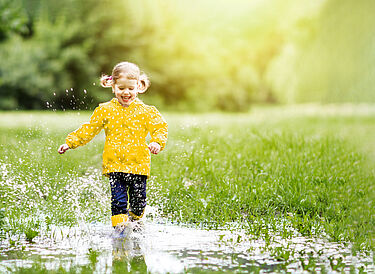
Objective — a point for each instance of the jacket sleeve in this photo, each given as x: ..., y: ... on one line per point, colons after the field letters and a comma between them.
x: 157, y: 127
x: 87, y: 131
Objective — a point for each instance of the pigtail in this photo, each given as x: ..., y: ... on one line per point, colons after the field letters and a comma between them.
x: 106, y: 81
x: 145, y: 82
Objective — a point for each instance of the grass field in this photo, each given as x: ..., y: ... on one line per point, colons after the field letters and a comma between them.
x: 308, y: 167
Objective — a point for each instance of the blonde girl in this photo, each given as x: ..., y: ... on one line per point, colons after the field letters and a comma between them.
x: 126, y: 121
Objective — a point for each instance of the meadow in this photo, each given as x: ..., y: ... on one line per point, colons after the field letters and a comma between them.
x: 274, y: 171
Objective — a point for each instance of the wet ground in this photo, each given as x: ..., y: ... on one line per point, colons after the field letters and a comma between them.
x: 161, y: 247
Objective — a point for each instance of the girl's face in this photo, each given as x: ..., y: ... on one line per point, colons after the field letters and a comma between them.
x: 126, y: 90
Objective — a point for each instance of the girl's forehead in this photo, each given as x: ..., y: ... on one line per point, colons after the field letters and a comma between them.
x: 123, y: 80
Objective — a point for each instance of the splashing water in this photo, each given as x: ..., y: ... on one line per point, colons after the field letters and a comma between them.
x: 71, y: 99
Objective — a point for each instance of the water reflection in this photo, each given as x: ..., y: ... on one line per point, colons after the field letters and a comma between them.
x: 133, y: 251
x: 128, y: 251
x: 128, y: 255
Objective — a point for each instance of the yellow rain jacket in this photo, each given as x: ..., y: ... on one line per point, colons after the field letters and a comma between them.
x: 126, y: 128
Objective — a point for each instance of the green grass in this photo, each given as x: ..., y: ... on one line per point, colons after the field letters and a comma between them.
x: 309, y: 167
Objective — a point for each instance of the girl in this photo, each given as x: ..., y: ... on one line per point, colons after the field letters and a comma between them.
x: 126, y: 121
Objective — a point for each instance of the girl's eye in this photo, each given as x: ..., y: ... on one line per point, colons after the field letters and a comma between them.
x: 131, y: 88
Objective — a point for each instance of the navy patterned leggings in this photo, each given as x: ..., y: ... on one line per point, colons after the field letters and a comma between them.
x: 124, y: 187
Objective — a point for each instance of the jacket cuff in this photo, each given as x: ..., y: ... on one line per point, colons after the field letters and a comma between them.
x: 70, y: 144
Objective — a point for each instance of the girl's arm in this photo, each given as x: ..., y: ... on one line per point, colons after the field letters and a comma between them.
x: 158, y: 129
x: 84, y: 133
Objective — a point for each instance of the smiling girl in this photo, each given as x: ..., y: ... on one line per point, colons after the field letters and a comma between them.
x: 126, y: 121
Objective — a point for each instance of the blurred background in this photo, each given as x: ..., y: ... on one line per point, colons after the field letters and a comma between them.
x: 204, y: 55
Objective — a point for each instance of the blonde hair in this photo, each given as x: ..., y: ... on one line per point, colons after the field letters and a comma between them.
x: 130, y: 71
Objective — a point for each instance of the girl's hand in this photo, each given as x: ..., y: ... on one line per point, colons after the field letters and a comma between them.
x: 154, y: 148
x: 63, y: 148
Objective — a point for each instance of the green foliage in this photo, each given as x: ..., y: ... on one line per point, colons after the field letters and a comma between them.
x: 12, y: 18
x: 52, y: 66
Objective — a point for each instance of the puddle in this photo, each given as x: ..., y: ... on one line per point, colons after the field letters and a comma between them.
x: 161, y: 247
